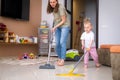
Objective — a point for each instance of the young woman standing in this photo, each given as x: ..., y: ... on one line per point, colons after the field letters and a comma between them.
x: 61, y: 28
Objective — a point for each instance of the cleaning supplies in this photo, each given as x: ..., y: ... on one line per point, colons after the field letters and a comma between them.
x: 70, y: 73
x: 72, y: 55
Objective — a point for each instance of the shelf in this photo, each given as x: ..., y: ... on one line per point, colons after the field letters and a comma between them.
x: 3, y: 36
x: 3, y: 31
x: 43, y: 39
x: 11, y: 36
x: 19, y: 43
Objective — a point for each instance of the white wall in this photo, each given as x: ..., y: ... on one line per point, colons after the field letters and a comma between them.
x: 69, y: 36
x: 109, y: 22
x: 45, y: 16
x: 90, y: 12
x: 69, y: 5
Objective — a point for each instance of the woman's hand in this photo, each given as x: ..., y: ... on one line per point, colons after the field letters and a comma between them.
x: 53, y: 29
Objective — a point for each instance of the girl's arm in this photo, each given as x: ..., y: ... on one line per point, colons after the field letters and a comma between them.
x: 83, y: 44
x: 91, y: 42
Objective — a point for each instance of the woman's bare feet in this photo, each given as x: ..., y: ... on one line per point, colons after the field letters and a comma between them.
x: 58, y: 61
x: 61, y: 63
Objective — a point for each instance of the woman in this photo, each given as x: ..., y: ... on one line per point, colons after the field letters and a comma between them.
x: 61, y: 28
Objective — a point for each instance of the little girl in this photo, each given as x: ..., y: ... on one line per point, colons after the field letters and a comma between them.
x: 88, y: 43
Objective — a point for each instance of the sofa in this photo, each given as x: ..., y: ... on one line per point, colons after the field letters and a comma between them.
x: 115, y: 62
x: 104, y: 54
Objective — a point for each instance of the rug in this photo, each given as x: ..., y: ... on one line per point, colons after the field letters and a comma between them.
x: 16, y: 61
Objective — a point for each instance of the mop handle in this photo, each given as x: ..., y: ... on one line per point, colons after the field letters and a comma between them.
x: 79, y: 61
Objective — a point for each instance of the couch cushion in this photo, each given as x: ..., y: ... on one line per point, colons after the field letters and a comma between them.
x: 108, y: 46
x: 115, y: 49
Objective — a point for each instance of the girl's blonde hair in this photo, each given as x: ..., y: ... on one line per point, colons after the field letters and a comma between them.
x: 87, y: 21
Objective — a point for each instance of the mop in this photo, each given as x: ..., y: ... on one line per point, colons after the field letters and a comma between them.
x: 70, y: 73
x: 48, y: 65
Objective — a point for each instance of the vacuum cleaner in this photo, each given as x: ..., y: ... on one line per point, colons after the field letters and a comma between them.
x: 72, y: 55
x: 48, y: 65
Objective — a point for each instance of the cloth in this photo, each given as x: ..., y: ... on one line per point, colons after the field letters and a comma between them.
x: 88, y: 37
x: 57, y: 16
x: 92, y: 53
x: 61, y: 36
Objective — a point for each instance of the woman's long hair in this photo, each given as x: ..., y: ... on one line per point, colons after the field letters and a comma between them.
x: 50, y: 9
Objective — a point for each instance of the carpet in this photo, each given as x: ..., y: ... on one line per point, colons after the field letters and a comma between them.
x: 16, y: 61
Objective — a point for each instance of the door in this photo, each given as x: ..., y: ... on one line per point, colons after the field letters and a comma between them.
x: 82, y: 9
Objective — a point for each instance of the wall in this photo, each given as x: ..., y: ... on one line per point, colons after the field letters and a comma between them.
x: 90, y: 12
x: 68, y: 7
x: 69, y: 4
x: 109, y: 21
x: 22, y: 28
x: 78, y: 7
